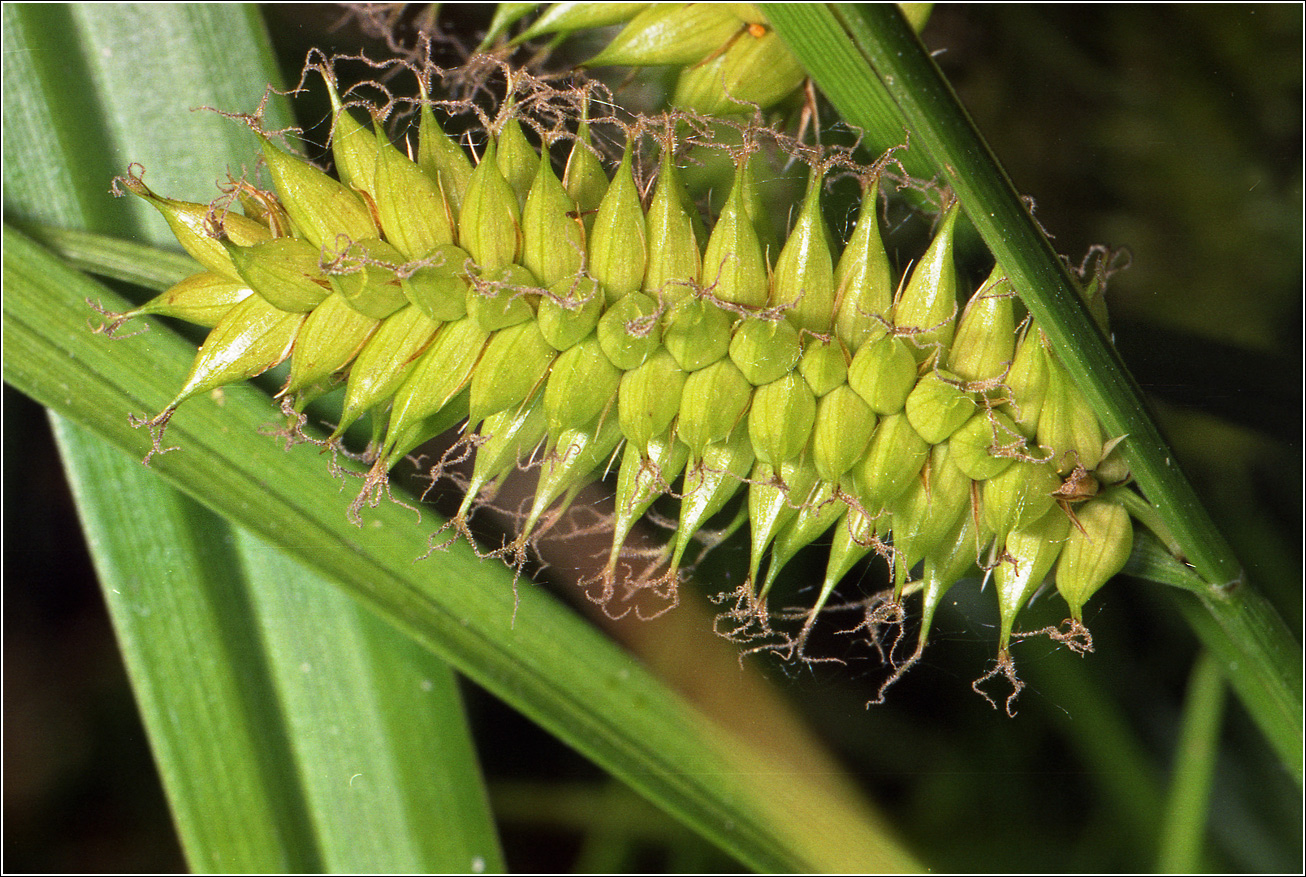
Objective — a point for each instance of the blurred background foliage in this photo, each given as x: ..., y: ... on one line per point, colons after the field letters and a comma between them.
x: 1172, y: 131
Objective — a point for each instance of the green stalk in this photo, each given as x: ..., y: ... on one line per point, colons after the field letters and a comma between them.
x: 1262, y: 658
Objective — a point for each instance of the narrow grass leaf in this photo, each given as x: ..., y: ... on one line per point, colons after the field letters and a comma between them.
x: 179, y: 592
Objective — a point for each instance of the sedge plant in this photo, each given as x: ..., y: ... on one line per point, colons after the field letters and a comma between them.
x: 284, y: 802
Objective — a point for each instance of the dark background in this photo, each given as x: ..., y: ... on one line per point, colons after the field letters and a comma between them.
x: 1172, y: 130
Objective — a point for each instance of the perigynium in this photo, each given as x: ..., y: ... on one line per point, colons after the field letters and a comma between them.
x: 594, y: 326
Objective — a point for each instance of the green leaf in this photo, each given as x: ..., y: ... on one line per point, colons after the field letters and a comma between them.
x: 208, y: 618
x: 1193, y: 771
x: 180, y: 607
x: 111, y: 257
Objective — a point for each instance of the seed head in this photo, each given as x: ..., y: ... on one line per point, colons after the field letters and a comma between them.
x: 364, y: 275
x: 582, y: 383
x: 883, y: 373
x: 733, y: 264
x: 559, y: 314
x: 986, y: 334
x: 584, y: 178
x: 780, y: 419
x: 775, y: 494
x: 895, y: 457
x: 765, y: 350
x: 441, y: 159
x: 570, y: 311
x: 440, y: 286
x: 671, y: 34
x: 1017, y: 497
x: 630, y: 330
x: 442, y: 372
x: 385, y: 360
x: 503, y: 297
x: 252, y: 338
x: 841, y: 432
x: 937, y: 407
x: 517, y: 159
x: 697, y: 333
x: 649, y: 400
x: 553, y: 239
x: 328, y: 341
x: 674, y: 261
x: 190, y: 223
x: 712, y: 404
x: 824, y: 366
x: 1067, y: 424
x: 415, y: 215
x: 514, y: 364
x: 803, y: 279
x: 203, y: 299
x: 984, y: 447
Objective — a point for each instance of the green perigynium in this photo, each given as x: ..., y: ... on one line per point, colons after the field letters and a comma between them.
x: 581, y: 322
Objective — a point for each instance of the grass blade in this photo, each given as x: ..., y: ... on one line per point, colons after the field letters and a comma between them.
x: 390, y: 776
x: 1190, y: 787
x: 114, y: 258
x: 180, y: 610
x: 239, y: 745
